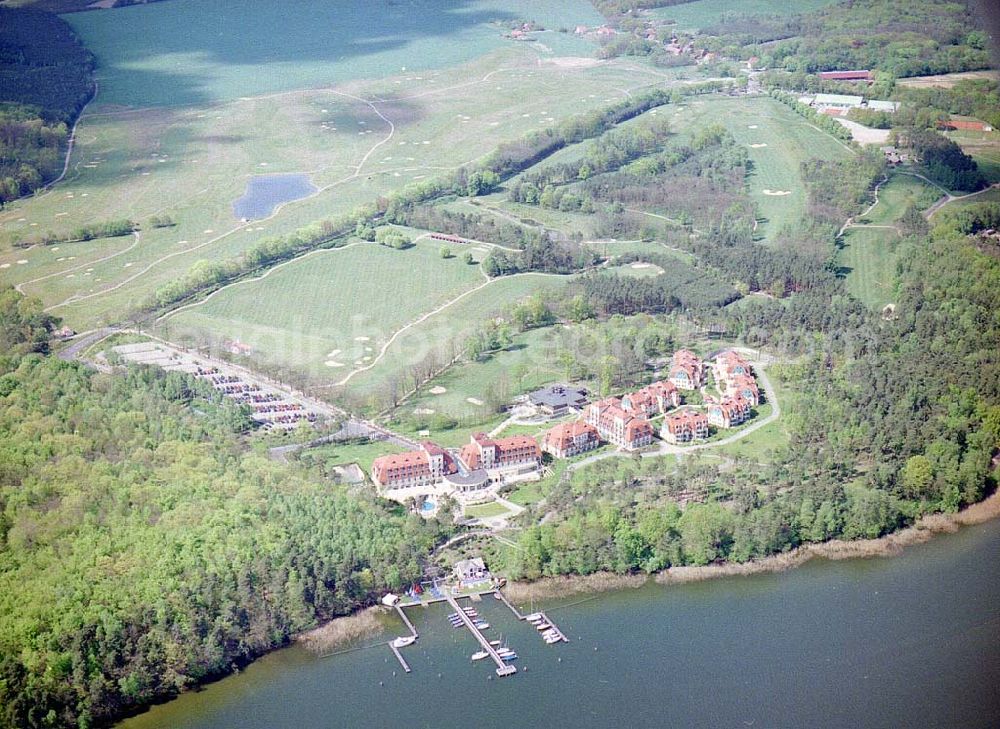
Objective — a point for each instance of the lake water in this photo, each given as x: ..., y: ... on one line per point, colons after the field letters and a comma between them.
x: 266, y: 192
x: 906, y: 641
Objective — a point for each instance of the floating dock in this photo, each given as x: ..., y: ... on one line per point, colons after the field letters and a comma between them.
x: 406, y: 620
x: 517, y: 613
x: 503, y: 668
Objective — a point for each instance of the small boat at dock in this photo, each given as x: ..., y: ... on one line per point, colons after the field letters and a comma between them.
x: 543, y: 627
x: 480, y: 655
x: 404, y: 641
x: 534, y: 617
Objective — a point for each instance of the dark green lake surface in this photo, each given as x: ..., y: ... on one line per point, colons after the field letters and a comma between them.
x: 910, y: 641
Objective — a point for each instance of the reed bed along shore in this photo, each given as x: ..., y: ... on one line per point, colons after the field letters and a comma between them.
x: 887, y: 546
x: 342, y: 632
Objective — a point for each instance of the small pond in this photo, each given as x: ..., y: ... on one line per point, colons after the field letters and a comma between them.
x: 264, y: 193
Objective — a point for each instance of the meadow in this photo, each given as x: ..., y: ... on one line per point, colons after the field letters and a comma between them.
x: 192, y: 163
x: 703, y: 13
x: 330, y: 310
x: 778, y: 141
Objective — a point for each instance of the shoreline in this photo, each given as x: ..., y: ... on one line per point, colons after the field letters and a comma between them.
x: 339, y: 633
x: 890, y: 545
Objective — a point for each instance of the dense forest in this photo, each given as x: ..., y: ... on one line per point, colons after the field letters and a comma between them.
x: 43, y: 87
x: 899, y: 37
x: 143, y: 548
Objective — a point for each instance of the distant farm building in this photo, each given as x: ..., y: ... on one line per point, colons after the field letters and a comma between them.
x: 890, y: 107
x: 570, y: 439
x: 558, y: 399
x: 837, y: 101
x: 864, y: 75
x: 967, y: 125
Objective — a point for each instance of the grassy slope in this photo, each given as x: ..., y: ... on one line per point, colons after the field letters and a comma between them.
x: 300, y: 312
x: 207, y: 154
x: 869, y: 252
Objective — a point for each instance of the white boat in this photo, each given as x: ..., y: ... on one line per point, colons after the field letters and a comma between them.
x: 533, y: 617
x: 494, y: 643
x: 482, y: 625
x: 404, y: 641
x: 480, y: 655
x: 544, y: 626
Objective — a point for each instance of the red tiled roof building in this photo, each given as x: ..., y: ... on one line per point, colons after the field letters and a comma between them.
x: 731, y: 411
x: 653, y: 399
x: 500, y: 453
x: 685, y: 426
x: 686, y: 370
x: 570, y: 439
x: 423, y: 467
x: 618, y: 426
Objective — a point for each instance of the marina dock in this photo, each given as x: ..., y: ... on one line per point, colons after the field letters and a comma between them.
x: 503, y: 668
x: 517, y: 613
x: 406, y: 620
x: 399, y: 656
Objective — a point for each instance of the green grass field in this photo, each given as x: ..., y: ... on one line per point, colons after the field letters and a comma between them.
x: 778, y: 141
x: 337, y: 307
x: 192, y: 163
x: 486, y: 511
x: 701, y: 13
x: 984, y: 147
x: 868, y: 253
x: 528, y: 364
x: 445, y: 332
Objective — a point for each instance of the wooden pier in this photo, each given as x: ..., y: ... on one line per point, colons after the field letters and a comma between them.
x: 554, y: 627
x: 406, y: 620
x: 399, y: 657
x: 503, y: 668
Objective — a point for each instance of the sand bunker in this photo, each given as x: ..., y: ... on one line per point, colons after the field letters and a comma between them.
x: 777, y: 192
x: 438, y: 390
x: 474, y: 400
x: 752, y: 126
x: 333, y: 353
x: 333, y: 363
x: 4, y: 265
x: 758, y: 146
x: 424, y: 411
x: 362, y: 339
x: 640, y: 264
x: 22, y: 261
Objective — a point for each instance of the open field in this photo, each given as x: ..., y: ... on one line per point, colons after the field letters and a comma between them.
x: 328, y: 311
x: 702, y: 13
x: 527, y: 364
x: 444, y: 333
x: 869, y: 256
x: 944, y: 80
x: 779, y: 140
x: 188, y: 52
x: 984, y: 147
x: 192, y: 163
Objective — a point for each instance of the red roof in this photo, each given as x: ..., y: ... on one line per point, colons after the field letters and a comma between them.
x: 563, y: 434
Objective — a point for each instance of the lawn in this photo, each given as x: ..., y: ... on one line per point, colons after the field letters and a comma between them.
x: 329, y: 311
x: 526, y: 365
x: 778, y: 141
x: 702, y: 13
x: 984, y: 147
x: 869, y: 259
x: 443, y: 335
x: 486, y: 511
